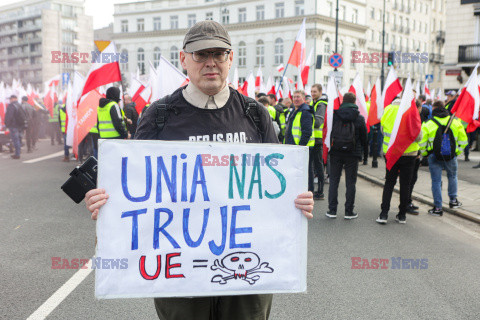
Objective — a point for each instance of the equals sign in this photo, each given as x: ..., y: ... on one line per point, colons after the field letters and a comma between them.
x: 200, y: 263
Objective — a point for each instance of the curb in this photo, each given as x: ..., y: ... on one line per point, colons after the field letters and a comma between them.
x: 471, y: 216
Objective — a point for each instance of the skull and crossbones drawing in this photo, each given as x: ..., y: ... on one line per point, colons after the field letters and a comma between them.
x: 240, y: 265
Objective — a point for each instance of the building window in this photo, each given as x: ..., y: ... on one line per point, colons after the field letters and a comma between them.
x: 209, y: 16
x: 141, y: 60
x: 299, y: 7
x: 192, y: 19
x: 124, y: 25
x: 330, y: 9
x: 225, y: 16
x: 261, y: 12
x: 278, y: 51
x: 156, y: 56
x: 354, y: 65
x: 372, y: 13
x: 242, y: 15
x: 355, y: 16
x: 279, y: 10
x: 124, y: 66
x: 260, y: 54
x: 340, y: 47
x: 140, y: 25
x: 242, y: 54
x: 326, y: 50
x: 174, y: 56
x: 157, y: 23
x: 173, y: 22
x: 343, y: 13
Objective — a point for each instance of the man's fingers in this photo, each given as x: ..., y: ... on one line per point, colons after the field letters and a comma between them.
x: 97, y: 198
x: 93, y: 192
x: 307, y: 194
x: 303, y: 201
x: 308, y: 208
x: 95, y: 215
x: 307, y: 214
x: 97, y: 205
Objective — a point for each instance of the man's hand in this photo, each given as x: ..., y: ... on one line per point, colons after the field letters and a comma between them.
x: 304, y: 202
x: 94, y: 200
x: 129, y: 121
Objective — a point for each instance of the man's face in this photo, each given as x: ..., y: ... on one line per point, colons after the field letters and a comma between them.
x: 128, y: 99
x: 298, y: 99
x: 209, y: 76
x: 450, y: 98
x: 271, y: 101
x: 315, y: 93
x: 287, y: 102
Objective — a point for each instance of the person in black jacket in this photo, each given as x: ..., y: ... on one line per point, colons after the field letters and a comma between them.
x: 113, y: 94
x: 346, y: 114
x: 131, y: 114
x: 16, y: 122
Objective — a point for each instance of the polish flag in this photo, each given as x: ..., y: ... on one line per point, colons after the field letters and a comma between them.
x: 279, y: 91
x: 3, y: 103
x: 306, y: 68
x: 334, y: 101
x: 406, y: 128
x: 249, y: 86
x: 439, y: 95
x: 417, y: 89
x: 259, y: 86
x: 357, y: 89
x: 72, y: 106
x: 426, y: 91
x: 53, y: 81
x: 299, y: 84
x: 390, y: 91
x: 298, y: 52
x: 86, y: 117
x: 467, y: 105
x: 136, y: 87
x: 280, y: 68
x: 369, y: 89
x: 235, y: 79
x: 103, y: 73
x: 375, y: 103
x: 166, y: 80
x: 49, y: 99
x: 31, y: 95
x: 270, y: 87
x: 433, y: 95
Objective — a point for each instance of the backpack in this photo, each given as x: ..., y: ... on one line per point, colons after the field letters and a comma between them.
x: 343, y: 136
x: 444, y: 145
x: 249, y: 105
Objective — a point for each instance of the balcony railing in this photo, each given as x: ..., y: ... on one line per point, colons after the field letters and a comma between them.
x: 469, y: 53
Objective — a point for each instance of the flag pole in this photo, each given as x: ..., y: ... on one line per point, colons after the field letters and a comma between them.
x: 281, y: 79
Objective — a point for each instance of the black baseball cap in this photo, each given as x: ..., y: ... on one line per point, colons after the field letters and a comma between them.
x: 206, y: 34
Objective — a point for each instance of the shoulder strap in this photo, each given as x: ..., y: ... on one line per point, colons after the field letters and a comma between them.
x: 250, y: 108
x: 160, y: 113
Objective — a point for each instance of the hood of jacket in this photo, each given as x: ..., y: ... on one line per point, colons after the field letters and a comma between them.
x: 440, y: 112
x: 103, y: 102
x: 347, y: 112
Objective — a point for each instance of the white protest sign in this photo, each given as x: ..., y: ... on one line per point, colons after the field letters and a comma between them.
x: 200, y: 219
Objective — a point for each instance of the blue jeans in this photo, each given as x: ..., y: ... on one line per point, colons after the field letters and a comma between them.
x: 16, y: 136
x: 435, y: 168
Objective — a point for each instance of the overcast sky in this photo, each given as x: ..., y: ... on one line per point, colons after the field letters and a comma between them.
x: 100, y: 10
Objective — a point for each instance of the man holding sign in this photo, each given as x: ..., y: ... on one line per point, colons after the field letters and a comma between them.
x: 207, y: 109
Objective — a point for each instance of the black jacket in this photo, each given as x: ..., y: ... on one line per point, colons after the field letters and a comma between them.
x: 117, y: 121
x: 15, y: 116
x: 132, y: 114
x: 306, y: 122
x: 349, y: 112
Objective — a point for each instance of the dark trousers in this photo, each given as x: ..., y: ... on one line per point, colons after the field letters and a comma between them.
x: 30, y: 138
x: 404, y: 168
x: 337, y: 163
x: 251, y: 307
x: 54, y: 132
x: 315, y: 168
x: 414, y: 178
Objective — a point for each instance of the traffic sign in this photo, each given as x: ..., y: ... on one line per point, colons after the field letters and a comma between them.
x: 429, y: 78
x: 338, y: 75
x: 335, y: 60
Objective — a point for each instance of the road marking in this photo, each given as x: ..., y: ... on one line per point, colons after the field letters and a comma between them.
x: 50, y: 156
x: 48, y: 306
x: 17, y: 227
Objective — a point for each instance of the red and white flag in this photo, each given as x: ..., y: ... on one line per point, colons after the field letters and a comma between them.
x: 334, y: 101
x: 53, y: 81
x: 306, y: 68
x: 298, y: 52
x: 426, y: 91
x: 3, y: 103
x: 72, y: 104
x: 86, y: 117
x: 249, y: 86
x: 417, y: 89
x: 375, y: 103
x: 280, y: 68
x: 279, y: 91
x: 357, y: 89
x: 259, y: 86
x: 392, y: 88
x: 235, y: 79
x: 103, y: 73
x: 270, y: 87
x: 467, y: 105
x: 167, y: 79
x: 433, y: 94
x: 369, y: 90
x: 406, y: 128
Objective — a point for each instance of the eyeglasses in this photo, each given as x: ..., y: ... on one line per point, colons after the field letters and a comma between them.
x: 218, y: 56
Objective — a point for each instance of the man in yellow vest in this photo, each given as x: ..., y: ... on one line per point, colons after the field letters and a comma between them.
x: 265, y: 102
x: 443, y: 156
x: 110, y: 120
x: 318, y: 105
x: 62, y: 118
x: 300, y: 128
x: 54, y: 127
x: 279, y: 113
x: 404, y: 167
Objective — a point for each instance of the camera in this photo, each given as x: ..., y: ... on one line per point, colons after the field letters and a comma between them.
x: 82, y: 179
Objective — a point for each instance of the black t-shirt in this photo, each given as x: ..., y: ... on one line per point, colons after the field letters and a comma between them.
x: 187, y: 122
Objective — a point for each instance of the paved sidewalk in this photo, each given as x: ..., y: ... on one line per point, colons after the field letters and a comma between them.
x: 468, y: 193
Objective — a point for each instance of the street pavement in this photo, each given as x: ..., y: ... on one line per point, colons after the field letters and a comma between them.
x: 38, y: 222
